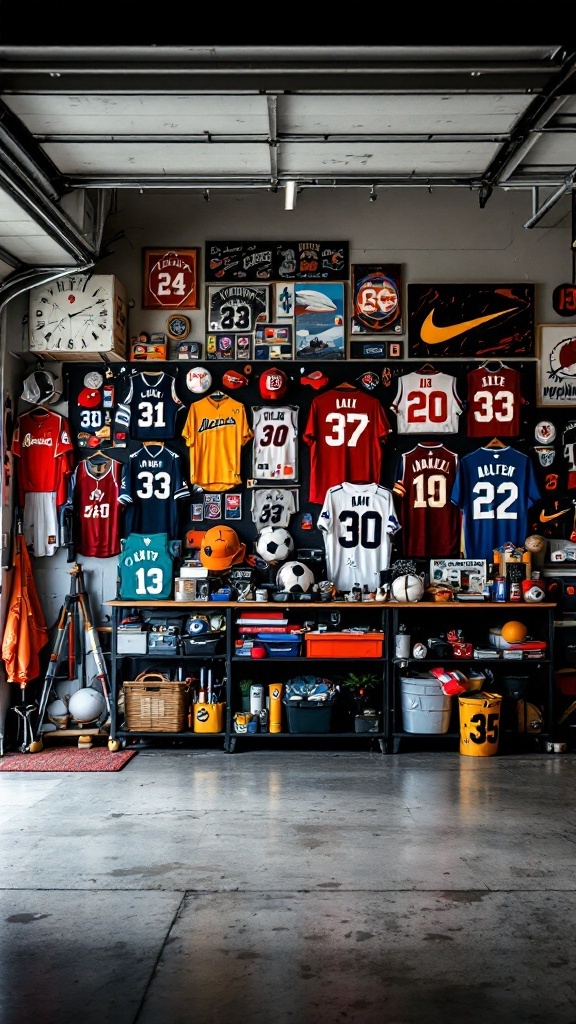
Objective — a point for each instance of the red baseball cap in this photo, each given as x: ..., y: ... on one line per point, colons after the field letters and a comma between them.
x: 233, y: 379
x: 316, y: 380
x: 273, y: 383
x: 89, y: 399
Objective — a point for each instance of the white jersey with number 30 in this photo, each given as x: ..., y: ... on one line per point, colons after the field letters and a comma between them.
x: 358, y: 522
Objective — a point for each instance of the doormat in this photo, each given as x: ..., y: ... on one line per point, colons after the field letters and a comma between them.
x: 67, y: 759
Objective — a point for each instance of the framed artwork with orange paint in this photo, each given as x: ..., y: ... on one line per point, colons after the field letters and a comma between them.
x: 470, y: 321
x: 170, y: 278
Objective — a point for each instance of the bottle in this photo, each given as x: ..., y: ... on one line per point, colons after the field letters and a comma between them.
x: 402, y: 642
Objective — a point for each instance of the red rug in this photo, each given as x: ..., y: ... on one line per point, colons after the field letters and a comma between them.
x: 67, y: 759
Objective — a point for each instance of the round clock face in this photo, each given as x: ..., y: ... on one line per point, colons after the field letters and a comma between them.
x: 72, y: 314
x: 178, y: 327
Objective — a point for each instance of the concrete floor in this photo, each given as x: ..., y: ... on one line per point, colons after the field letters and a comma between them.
x: 288, y: 886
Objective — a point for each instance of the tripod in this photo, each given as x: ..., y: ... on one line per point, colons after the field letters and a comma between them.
x: 74, y: 614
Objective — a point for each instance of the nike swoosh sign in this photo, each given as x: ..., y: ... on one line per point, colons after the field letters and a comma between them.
x: 546, y: 519
x: 432, y: 335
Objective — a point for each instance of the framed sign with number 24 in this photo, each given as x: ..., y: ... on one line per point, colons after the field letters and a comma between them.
x: 170, y: 279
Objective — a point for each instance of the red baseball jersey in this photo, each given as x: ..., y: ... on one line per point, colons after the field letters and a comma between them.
x: 345, y: 430
x: 41, y: 442
x: 95, y: 498
x: 430, y: 521
x: 494, y: 400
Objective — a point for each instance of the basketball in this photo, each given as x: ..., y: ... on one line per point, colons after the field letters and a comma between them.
x: 407, y: 588
x: 514, y: 632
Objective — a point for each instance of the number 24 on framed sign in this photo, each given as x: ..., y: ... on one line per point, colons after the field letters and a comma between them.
x: 170, y: 278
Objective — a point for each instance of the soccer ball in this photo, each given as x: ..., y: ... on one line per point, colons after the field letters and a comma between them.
x: 407, y: 588
x: 274, y: 544
x: 86, y: 705
x: 295, y: 578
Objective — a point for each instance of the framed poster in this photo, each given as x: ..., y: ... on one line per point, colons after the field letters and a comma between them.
x: 229, y: 346
x: 273, y: 341
x: 470, y: 320
x: 170, y: 279
x: 319, y: 320
x: 556, y: 366
x: 376, y: 298
x: 276, y: 261
x: 237, y: 308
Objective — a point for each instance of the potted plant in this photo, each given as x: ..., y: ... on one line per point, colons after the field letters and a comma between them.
x: 361, y: 686
x: 244, y: 686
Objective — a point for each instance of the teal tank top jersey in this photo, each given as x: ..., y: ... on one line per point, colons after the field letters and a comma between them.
x: 145, y: 567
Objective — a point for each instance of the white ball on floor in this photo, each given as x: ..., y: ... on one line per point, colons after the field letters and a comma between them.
x: 86, y: 705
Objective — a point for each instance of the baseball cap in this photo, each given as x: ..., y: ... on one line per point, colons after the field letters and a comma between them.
x: 273, y: 383
x: 221, y: 548
x: 316, y: 380
x: 233, y: 379
x: 369, y: 380
x: 89, y: 399
x: 545, y: 432
x: 198, y: 380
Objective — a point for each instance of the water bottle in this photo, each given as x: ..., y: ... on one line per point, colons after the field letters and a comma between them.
x: 402, y: 642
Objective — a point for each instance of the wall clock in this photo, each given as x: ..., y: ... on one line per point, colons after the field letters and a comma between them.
x: 78, y: 315
x: 178, y: 326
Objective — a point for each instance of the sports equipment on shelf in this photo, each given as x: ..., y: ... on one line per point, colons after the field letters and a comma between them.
x: 295, y: 578
x: 407, y: 588
x: 221, y: 548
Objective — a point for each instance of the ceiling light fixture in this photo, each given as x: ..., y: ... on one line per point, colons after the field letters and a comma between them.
x: 373, y: 194
x: 290, y: 197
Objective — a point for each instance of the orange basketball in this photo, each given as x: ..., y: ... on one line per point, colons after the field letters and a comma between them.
x: 514, y: 632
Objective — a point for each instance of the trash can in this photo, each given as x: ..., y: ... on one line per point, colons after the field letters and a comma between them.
x: 479, y: 723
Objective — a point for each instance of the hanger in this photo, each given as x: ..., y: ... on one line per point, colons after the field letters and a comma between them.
x: 494, y: 369
x: 153, y: 444
x: 427, y: 368
x: 495, y: 443
x: 218, y: 396
x: 98, y: 458
x: 345, y: 386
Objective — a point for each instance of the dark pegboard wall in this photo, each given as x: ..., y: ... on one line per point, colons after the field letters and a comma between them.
x: 301, y: 396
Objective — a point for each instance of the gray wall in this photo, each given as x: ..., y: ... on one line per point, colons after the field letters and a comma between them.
x: 438, y: 236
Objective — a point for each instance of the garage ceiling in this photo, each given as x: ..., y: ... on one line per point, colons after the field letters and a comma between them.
x: 77, y: 123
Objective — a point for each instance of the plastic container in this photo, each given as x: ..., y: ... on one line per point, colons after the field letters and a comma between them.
x: 208, y: 717
x: 344, y: 645
x: 425, y: 707
x: 479, y: 723
x: 307, y: 716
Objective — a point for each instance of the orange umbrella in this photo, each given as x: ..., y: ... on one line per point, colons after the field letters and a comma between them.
x: 25, y: 632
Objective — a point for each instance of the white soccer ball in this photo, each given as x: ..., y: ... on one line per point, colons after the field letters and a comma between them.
x: 57, y: 713
x: 295, y: 578
x: 407, y: 588
x: 86, y: 705
x: 274, y: 544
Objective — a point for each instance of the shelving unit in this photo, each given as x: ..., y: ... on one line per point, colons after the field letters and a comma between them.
x: 428, y: 619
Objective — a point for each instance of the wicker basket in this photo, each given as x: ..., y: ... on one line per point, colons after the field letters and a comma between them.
x: 154, y: 703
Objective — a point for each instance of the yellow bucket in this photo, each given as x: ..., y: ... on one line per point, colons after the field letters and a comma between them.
x: 479, y: 723
x: 208, y: 717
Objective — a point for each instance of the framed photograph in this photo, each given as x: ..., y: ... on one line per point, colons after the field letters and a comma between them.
x: 238, y: 308
x: 273, y: 341
x: 319, y: 320
x: 170, y: 278
x: 376, y: 298
x: 464, y: 574
x: 470, y: 320
x: 556, y: 366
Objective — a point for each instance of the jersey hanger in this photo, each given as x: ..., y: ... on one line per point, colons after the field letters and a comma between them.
x: 493, y: 369
x: 427, y: 368
x: 495, y: 443
x: 345, y: 385
x: 153, y: 444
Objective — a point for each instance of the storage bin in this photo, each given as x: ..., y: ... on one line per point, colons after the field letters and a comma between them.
x: 201, y: 645
x: 132, y: 642
x: 208, y: 717
x: 425, y: 707
x: 305, y: 716
x: 154, y: 703
x: 344, y: 645
x: 281, y: 648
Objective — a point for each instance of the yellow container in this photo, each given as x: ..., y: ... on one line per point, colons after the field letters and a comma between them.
x: 479, y: 723
x: 208, y: 717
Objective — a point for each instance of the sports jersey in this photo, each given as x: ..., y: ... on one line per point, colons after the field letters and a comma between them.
x: 145, y: 568
x: 273, y: 506
x: 430, y: 520
x: 90, y: 405
x: 427, y: 402
x: 216, y: 429
x: 344, y: 432
x: 149, y: 408
x: 494, y: 489
x: 569, y: 443
x: 275, y: 450
x: 94, y: 497
x: 494, y: 400
x: 152, y: 484
x: 41, y: 442
x: 358, y: 522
